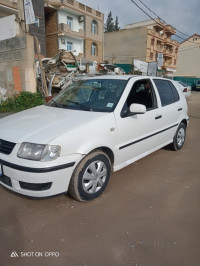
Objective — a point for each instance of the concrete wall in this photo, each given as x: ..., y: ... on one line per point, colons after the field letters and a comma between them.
x: 17, y: 72
x: 188, y: 63
x: 125, y: 45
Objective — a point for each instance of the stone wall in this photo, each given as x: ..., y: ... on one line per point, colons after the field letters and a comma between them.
x: 17, y: 65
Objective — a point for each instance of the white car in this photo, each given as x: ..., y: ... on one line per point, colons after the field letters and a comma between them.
x: 186, y: 90
x: 95, y: 126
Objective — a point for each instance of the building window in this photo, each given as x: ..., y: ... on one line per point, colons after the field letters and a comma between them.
x: 151, y: 56
x: 94, y: 27
x: 152, y: 41
x: 94, y: 49
x: 174, y: 61
x: 70, y: 22
x: 69, y: 46
x: 37, y: 22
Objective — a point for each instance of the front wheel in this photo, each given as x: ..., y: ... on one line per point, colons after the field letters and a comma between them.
x: 179, y: 138
x: 90, y: 177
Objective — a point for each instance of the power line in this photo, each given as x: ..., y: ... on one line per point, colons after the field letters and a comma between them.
x: 156, y: 21
x: 160, y: 17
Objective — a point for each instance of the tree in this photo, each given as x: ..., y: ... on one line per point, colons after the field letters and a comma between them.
x: 109, y: 26
x: 116, y: 26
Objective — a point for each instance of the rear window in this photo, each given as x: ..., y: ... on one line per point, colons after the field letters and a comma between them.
x: 183, y: 84
x: 167, y: 91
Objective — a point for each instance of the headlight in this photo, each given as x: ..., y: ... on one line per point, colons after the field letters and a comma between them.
x: 38, y: 152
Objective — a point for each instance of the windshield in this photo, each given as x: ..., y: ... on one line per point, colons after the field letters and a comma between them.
x: 99, y: 95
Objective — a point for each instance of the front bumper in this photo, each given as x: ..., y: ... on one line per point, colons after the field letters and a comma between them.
x: 39, y: 180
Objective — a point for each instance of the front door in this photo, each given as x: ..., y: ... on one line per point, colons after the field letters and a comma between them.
x: 137, y: 133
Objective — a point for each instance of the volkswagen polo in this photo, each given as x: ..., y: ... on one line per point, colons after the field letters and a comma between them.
x: 95, y: 126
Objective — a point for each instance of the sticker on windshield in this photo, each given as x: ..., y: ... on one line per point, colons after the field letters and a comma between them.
x: 110, y: 105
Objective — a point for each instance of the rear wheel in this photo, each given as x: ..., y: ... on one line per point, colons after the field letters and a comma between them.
x: 179, y: 138
x: 90, y: 177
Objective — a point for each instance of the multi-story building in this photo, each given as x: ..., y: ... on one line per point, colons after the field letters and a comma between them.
x: 73, y: 26
x: 188, y: 64
x: 143, y: 41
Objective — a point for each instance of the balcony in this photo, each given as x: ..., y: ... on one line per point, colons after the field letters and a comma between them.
x: 168, y: 52
x: 170, y: 42
x: 64, y: 30
x: 170, y: 29
x: 155, y: 34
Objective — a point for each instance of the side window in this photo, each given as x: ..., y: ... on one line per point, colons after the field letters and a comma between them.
x: 142, y: 92
x: 176, y: 95
x: 167, y: 91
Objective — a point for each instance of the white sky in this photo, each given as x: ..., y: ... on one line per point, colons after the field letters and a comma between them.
x: 182, y: 14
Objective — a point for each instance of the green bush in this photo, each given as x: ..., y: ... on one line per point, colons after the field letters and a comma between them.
x: 23, y: 101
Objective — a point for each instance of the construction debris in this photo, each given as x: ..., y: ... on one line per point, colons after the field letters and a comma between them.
x: 61, y: 70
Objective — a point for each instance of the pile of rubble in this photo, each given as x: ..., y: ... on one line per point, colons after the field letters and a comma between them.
x: 61, y: 70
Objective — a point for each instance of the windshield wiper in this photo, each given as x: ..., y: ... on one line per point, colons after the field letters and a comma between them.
x: 82, y: 106
x: 55, y: 103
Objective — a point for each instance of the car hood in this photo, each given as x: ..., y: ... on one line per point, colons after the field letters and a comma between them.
x: 44, y: 123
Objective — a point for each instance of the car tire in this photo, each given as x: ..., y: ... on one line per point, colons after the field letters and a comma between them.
x: 179, y: 138
x: 90, y: 177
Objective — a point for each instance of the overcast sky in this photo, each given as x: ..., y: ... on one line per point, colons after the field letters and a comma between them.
x: 182, y: 14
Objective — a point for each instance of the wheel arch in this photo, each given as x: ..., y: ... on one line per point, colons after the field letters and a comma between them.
x: 108, y: 152
x: 185, y: 122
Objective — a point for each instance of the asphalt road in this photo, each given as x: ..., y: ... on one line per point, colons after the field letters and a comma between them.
x: 148, y: 215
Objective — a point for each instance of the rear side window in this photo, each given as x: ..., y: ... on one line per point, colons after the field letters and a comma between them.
x: 167, y: 91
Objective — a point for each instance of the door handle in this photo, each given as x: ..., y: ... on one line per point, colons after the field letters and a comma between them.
x: 158, y: 117
x: 180, y: 109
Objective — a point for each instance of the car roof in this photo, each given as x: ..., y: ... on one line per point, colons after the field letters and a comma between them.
x: 123, y: 77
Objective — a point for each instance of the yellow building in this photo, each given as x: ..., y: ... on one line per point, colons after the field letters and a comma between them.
x: 143, y: 41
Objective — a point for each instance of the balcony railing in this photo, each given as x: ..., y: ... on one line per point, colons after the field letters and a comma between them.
x: 64, y: 29
x: 155, y: 34
x: 168, y: 52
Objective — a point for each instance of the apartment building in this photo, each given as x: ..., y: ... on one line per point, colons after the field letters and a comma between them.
x: 188, y: 64
x: 76, y: 27
x: 143, y: 41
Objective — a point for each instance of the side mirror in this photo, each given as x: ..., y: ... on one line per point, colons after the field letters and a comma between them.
x: 136, y: 108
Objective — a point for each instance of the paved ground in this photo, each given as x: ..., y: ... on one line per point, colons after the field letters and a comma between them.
x: 149, y: 215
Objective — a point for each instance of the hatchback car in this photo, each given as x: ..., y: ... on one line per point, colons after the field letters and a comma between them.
x: 95, y: 126
x: 186, y: 90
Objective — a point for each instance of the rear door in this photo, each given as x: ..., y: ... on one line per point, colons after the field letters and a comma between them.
x: 170, y: 111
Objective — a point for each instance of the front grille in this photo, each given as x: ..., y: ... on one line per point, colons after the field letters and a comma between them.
x: 6, y: 180
x: 6, y: 147
x: 35, y: 187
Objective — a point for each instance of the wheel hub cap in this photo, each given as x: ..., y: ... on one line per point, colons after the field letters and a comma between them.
x: 94, y: 177
x: 180, y: 137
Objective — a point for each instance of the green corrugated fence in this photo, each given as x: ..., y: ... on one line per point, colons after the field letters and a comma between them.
x: 190, y: 81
